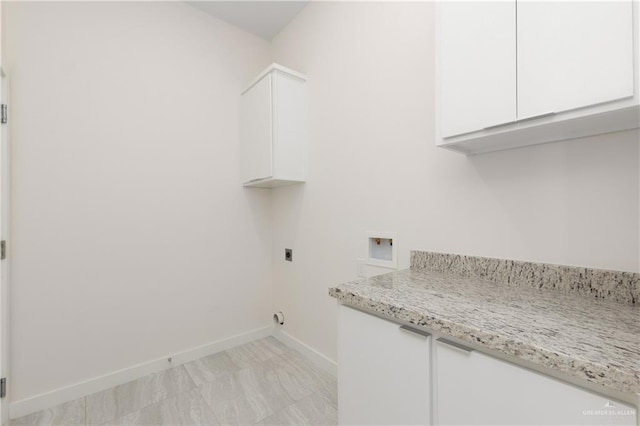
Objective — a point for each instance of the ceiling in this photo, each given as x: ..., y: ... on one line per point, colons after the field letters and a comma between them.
x: 263, y: 18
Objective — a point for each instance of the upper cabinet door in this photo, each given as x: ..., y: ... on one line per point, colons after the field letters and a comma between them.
x: 573, y: 54
x: 477, y: 66
x: 256, y: 136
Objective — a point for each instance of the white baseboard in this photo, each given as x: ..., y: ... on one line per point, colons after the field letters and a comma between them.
x: 314, y: 356
x: 97, y: 384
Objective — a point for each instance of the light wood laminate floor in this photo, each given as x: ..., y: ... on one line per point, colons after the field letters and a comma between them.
x: 260, y: 383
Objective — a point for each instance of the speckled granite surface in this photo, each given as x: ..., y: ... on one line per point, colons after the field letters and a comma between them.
x: 593, y: 339
x: 619, y: 286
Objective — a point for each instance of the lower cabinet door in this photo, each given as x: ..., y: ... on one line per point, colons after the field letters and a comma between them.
x: 383, y: 371
x: 474, y: 388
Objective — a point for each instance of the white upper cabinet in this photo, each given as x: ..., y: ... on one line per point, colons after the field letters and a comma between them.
x: 478, y: 54
x: 273, y: 134
x: 519, y: 73
x: 573, y: 54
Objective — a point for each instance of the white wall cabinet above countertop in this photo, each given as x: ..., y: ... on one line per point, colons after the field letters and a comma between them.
x: 274, y: 129
x: 517, y: 73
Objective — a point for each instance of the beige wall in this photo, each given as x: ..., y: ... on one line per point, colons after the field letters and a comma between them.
x: 132, y: 238
x: 373, y: 166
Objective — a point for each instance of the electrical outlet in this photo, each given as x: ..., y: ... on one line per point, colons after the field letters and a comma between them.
x: 288, y: 255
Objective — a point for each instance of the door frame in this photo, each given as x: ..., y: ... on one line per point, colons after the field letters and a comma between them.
x: 5, y: 201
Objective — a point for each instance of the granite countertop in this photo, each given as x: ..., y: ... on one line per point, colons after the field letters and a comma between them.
x: 590, y: 338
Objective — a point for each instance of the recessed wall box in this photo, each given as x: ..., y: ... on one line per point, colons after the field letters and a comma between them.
x: 382, y: 249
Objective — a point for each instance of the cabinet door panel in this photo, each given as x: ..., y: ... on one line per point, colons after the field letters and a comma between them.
x: 289, y: 126
x: 383, y: 372
x: 477, y: 65
x: 473, y: 388
x: 256, y: 132
x: 573, y: 54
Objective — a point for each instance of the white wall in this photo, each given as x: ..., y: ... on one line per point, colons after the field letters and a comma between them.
x: 131, y: 235
x: 373, y: 166
x: 132, y: 238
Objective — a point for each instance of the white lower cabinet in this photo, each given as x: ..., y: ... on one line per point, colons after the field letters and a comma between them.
x: 383, y: 372
x: 474, y: 388
x: 394, y: 375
